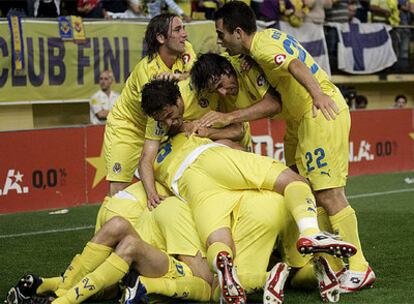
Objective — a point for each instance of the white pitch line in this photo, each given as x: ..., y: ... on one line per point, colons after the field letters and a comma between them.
x: 6, y: 236
x: 91, y: 226
x: 379, y: 193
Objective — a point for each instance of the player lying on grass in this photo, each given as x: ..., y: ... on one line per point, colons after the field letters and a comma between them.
x: 260, y: 218
x: 199, y: 170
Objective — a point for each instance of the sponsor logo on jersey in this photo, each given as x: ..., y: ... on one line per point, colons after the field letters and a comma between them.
x: 280, y: 58
x: 203, y: 102
x: 186, y: 58
x: 117, y: 168
x: 260, y: 80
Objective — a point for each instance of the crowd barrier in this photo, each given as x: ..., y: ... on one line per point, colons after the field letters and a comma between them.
x: 62, y: 167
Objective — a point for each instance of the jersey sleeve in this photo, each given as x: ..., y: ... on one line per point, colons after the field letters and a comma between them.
x: 155, y: 130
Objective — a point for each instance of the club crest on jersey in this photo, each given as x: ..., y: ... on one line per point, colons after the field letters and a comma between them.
x: 203, y: 102
x: 260, y: 80
x: 186, y: 58
x: 280, y: 58
x: 117, y: 168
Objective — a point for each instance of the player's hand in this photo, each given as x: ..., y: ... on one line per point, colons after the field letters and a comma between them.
x: 190, y: 127
x: 327, y: 106
x: 203, y: 132
x: 247, y: 63
x: 154, y: 199
x: 167, y: 76
x: 214, y: 118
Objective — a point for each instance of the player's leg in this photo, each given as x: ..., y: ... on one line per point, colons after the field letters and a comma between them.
x: 173, y: 231
x: 256, y: 225
x: 122, y: 148
x: 304, y: 273
x: 323, y: 157
x: 129, y: 249
x: 212, y: 206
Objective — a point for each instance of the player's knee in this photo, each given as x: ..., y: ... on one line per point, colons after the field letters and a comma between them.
x: 116, y: 227
x: 332, y: 200
x: 287, y: 177
x: 128, y: 247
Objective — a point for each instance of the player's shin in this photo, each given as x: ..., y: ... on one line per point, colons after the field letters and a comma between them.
x: 91, y: 257
x: 345, y: 224
x: 108, y: 273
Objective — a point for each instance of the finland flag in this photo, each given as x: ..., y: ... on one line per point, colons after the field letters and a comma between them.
x: 364, y: 48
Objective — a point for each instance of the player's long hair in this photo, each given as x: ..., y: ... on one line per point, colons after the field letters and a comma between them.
x: 157, y: 94
x: 208, y: 68
x: 237, y: 14
x: 159, y: 25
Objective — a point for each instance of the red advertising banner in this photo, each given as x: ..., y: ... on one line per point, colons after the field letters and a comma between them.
x: 42, y: 169
x: 380, y: 140
x: 61, y: 167
x: 96, y: 184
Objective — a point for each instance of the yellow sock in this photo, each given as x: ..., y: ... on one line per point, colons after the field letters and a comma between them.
x: 345, y: 224
x: 301, y: 204
x: 213, y: 250
x: 91, y: 257
x: 304, y: 278
x: 108, y: 273
x: 188, y: 287
x: 48, y: 284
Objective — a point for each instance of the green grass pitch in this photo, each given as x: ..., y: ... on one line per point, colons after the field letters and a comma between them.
x: 386, y: 226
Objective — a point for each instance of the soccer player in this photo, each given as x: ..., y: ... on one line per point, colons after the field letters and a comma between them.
x: 191, y: 106
x: 129, y: 235
x: 315, y: 145
x: 169, y: 55
x: 199, y: 170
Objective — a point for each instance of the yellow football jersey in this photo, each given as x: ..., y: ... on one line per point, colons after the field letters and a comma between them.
x: 252, y: 85
x: 195, y: 107
x: 273, y: 50
x: 128, y: 105
x: 177, y: 149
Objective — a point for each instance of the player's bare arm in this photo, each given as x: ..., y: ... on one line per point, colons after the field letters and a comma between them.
x: 234, y: 132
x: 146, y: 172
x: 321, y: 101
x: 172, y: 76
x: 269, y: 106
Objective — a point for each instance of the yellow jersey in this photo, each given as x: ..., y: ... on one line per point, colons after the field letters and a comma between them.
x: 252, y: 85
x: 128, y: 105
x: 172, y: 154
x: 195, y: 107
x: 273, y: 50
